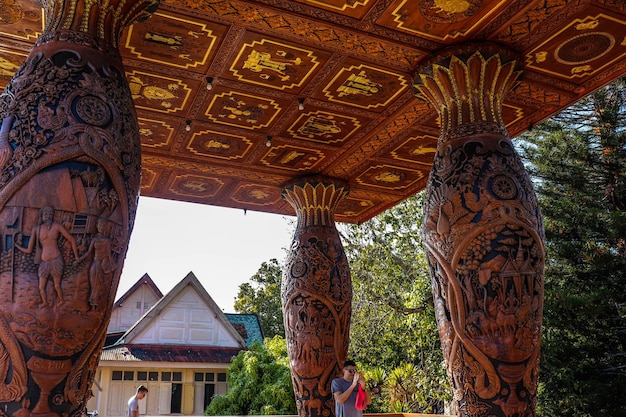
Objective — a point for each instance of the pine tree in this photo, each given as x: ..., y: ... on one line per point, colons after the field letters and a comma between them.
x: 578, y: 162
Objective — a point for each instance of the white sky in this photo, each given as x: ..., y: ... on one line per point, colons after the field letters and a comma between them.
x: 221, y: 246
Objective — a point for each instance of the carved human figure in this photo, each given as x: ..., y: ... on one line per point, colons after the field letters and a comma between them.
x: 102, y: 263
x: 44, y: 239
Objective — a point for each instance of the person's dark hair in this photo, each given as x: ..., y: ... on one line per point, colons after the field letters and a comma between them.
x: 142, y: 389
x: 349, y: 362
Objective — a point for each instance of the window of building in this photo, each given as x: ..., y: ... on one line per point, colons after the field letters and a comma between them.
x: 209, y: 377
x: 221, y: 377
x: 166, y: 376
x: 116, y: 375
x: 177, y: 376
x: 129, y: 375
x: 142, y: 376
x: 153, y: 376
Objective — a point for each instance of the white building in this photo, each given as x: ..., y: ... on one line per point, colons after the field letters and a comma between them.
x: 179, y: 346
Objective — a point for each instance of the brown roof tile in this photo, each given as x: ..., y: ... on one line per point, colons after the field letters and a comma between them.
x: 169, y: 353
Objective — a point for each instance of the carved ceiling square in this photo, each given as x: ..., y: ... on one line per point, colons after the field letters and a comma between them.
x: 159, y: 93
x: 390, y: 177
x: 275, y: 64
x: 239, y: 109
x: 148, y: 179
x: 256, y: 195
x: 21, y: 20
x: 10, y: 61
x: 448, y: 21
x: 155, y: 133
x: 213, y: 144
x: 292, y: 158
x: 589, y: 43
x: 194, y: 186
x: 331, y: 128
x: 364, y: 86
x: 352, y: 8
x: 351, y: 207
x: 419, y: 148
x: 172, y: 40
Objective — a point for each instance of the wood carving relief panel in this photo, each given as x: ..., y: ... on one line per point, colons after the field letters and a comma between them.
x: 69, y: 182
x: 484, y: 236
x: 316, y: 296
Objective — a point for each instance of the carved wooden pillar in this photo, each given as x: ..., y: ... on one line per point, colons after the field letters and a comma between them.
x: 484, y: 236
x: 69, y: 182
x: 316, y: 294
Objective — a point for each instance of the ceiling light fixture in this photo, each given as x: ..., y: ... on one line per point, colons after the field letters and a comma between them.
x: 188, y: 125
x: 268, y: 142
x: 300, y: 104
x: 209, y: 83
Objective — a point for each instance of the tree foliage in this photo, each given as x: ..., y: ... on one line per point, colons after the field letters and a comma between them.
x: 259, y: 382
x: 261, y: 296
x: 393, y: 320
x: 578, y: 161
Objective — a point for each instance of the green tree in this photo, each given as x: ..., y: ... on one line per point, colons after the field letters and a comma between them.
x: 393, y: 321
x: 259, y: 382
x: 578, y: 161
x: 261, y: 296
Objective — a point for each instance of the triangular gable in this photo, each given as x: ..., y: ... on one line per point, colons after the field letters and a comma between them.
x: 144, y: 280
x: 187, y: 315
x: 135, y: 302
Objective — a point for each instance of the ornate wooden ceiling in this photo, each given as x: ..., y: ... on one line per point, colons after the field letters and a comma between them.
x: 350, y: 63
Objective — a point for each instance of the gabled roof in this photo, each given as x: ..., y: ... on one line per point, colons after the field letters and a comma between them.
x: 169, y: 353
x: 144, y: 280
x: 250, y: 326
x: 164, y: 303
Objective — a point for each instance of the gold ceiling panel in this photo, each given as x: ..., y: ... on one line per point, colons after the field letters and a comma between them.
x: 275, y: 64
x: 253, y: 195
x: 292, y: 158
x: 389, y: 177
x: 21, y: 20
x: 327, y: 84
x: 324, y: 127
x: 419, y: 149
x: 159, y: 93
x: 243, y: 110
x: 148, y: 179
x: 447, y: 21
x: 194, y: 186
x: 10, y: 61
x: 214, y: 144
x: 587, y: 45
x: 364, y: 86
x: 352, y: 8
x: 173, y: 41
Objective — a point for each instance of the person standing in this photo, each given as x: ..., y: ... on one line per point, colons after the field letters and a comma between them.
x: 43, y: 238
x: 133, y: 402
x: 345, y: 389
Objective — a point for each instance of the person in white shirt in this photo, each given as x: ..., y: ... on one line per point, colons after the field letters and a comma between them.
x: 133, y: 402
